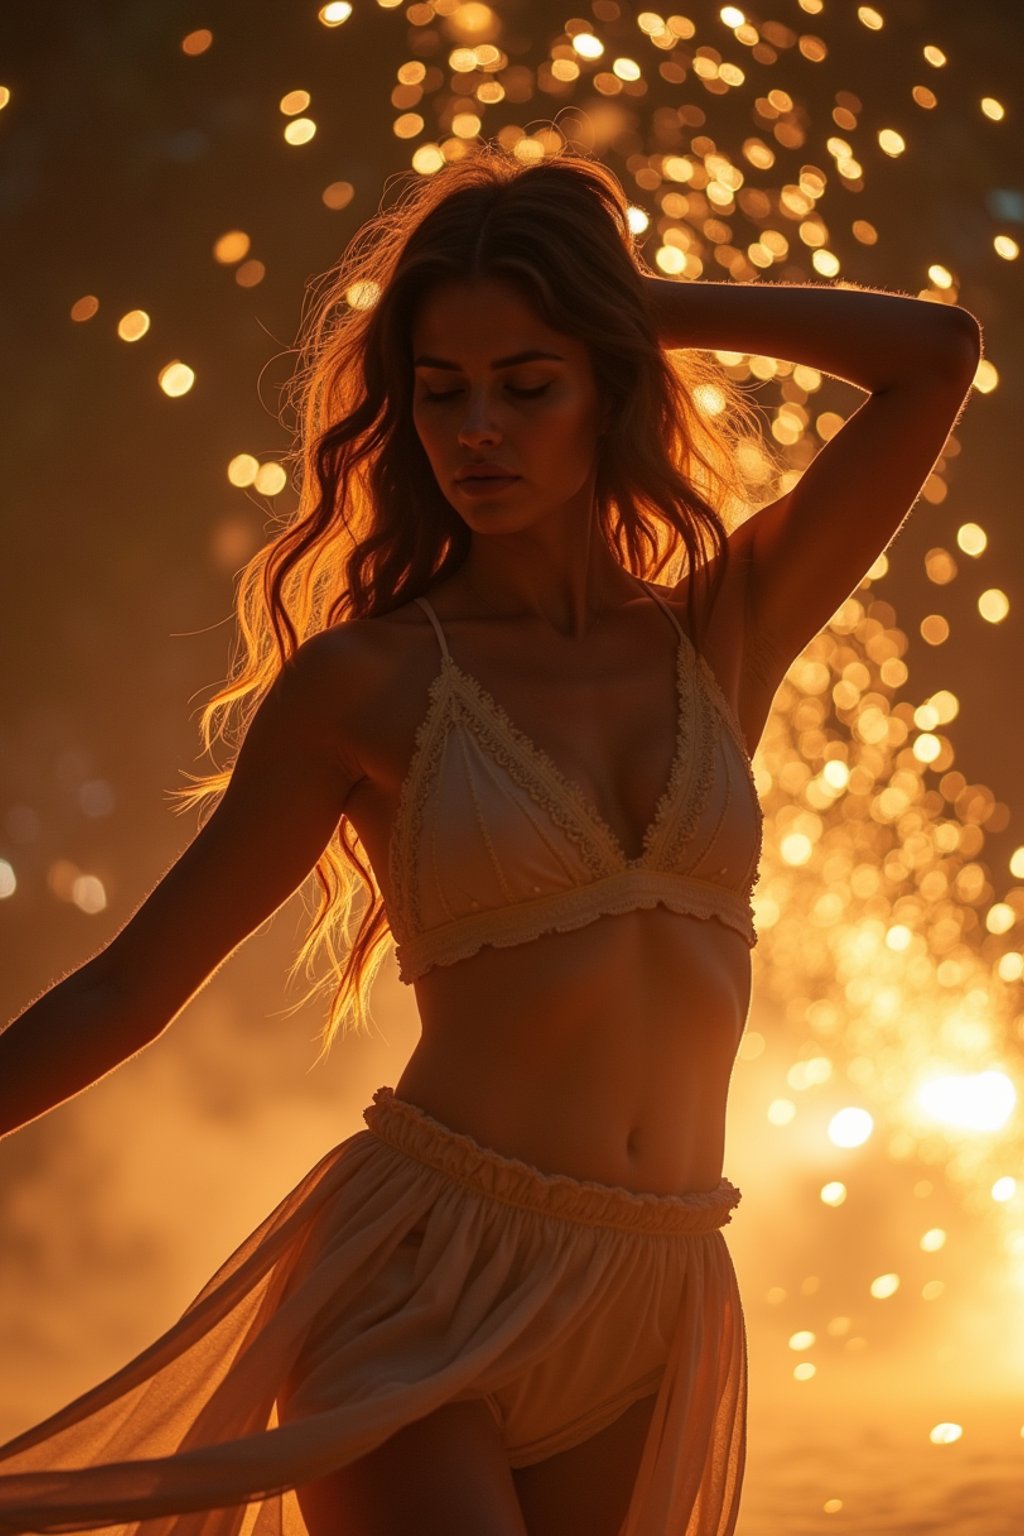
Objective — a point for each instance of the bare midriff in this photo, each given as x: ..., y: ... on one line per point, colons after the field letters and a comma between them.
x: 604, y: 1053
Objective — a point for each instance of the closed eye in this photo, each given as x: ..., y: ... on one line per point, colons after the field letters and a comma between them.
x: 524, y: 394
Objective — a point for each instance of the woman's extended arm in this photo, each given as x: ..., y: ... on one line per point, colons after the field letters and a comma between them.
x: 285, y: 798
x: 870, y: 339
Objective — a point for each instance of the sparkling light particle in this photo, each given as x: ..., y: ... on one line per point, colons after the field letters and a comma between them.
x: 294, y: 102
x: 176, y: 378
x: 300, y: 130
x: 993, y: 605
x: 197, y: 42
x: 334, y: 14
x: 972, y: 538
x: 587, y: 45
x: 850, y: 1127
x: 133, y: 326
x: 338, y: 194
x: 982, y: 1101
x: 231, y: 247
x: 781, y: 1112
x: 85, y: 307
x: 88, y: 894
x: 271, y: 478
x: 243, y: 469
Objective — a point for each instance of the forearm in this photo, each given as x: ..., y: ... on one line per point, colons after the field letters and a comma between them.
x: 70, y: 1037
x: 870, y: 339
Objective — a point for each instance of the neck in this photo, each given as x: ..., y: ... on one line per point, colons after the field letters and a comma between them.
x: 567, y: 578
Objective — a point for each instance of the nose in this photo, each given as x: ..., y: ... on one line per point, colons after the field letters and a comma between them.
x: 478, y: 424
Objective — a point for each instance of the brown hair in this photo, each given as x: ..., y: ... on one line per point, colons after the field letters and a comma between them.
x: 372, y: 528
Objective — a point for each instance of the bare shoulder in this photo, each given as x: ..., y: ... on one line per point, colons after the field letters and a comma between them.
x: 363, y: 650
x: 342, y: 674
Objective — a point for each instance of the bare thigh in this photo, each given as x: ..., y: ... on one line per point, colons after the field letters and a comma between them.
x: 587, y: 1488
x: 444, y: 1475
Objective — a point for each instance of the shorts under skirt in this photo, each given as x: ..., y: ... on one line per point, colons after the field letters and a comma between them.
x: 412, y: 1267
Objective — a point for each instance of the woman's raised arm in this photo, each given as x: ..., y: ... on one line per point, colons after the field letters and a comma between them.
x: 285, y: 798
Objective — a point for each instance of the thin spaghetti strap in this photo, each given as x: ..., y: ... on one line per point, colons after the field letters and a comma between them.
x: 439, y: 632
x: 662, y: 604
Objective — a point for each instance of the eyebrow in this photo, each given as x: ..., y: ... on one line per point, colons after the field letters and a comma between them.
x: 531, y: 356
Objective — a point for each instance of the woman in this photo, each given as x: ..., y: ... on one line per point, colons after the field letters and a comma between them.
x: 507, y: 1305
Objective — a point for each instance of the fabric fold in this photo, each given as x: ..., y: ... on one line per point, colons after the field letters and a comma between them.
x: 409, y: 1268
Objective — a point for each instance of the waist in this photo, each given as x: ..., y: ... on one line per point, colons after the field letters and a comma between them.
x: 413, y: 1132
x: 654, y: 964
x: 604, y: 1053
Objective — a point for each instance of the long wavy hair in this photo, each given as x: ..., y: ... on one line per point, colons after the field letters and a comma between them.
x: 372, y: 529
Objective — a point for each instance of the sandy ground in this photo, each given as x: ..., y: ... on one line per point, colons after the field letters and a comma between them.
x: 807, y: 1478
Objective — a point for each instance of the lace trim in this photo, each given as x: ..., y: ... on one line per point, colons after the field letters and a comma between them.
x: 562, y: 911
x: 676, y: 816
x: 697, y: 763
x: 407, y: 826
x: 532, y: 769
x: 666, y: 812
x: 557, y: 789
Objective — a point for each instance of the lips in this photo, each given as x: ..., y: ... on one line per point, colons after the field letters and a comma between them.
x: 487, y: 472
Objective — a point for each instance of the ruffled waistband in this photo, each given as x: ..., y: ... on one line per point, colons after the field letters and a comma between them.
x: 411, y: 1130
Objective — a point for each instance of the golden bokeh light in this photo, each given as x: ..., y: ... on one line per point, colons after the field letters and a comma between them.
x: 231, y: 247
x: 85, y: 307
x: 271, y: 478
x: 176, y: 378
x: 982, y: 1101
x: 250, y: 274
x: 338, y: 195
x: 971, y: 538
x: 134, y: 325
x: 294, y: 102
x: 850, y: 1127
x: 993, y: 605
x: 335, y: 13
x: 300, y: 130
x: 587, y: 45
x: 197, y: 42
x: 243, y: 469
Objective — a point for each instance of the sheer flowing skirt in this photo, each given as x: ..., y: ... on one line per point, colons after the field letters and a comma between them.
x: 409, y: 1268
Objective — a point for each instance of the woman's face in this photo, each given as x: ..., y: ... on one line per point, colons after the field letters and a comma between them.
x: 538, y: 417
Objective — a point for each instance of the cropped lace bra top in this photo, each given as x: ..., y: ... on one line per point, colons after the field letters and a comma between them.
x: 492, y: 844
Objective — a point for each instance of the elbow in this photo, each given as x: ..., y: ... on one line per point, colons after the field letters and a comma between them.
x: 968, y: 335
